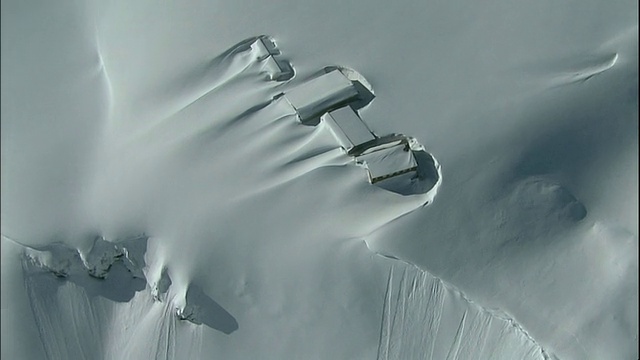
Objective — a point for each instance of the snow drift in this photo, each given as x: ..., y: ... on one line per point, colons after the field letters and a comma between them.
x: 161, y: 200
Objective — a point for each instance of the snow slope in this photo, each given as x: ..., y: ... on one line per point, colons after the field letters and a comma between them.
x: 158, y: 202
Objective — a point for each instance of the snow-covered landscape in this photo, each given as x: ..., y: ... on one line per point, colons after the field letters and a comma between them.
x: 319, y: 180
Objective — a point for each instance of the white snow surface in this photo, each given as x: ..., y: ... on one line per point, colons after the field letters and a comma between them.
x: 347, y: 127
x: 312, y: 98
x: 159, y: 203
x: 388, y: 160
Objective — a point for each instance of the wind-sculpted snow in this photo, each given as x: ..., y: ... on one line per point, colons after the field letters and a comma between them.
x: 77, y: 295
x: 97, y: 262
x: 200, y: 179
x: 254, y: 223
x: 415, y: 324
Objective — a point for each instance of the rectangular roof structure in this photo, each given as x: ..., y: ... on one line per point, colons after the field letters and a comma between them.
x: 265, y: 51
x: 388, y: 162
x: 277, y: 70
x: 321, y: 94
x: 347, y: 127
x: 264, y: 47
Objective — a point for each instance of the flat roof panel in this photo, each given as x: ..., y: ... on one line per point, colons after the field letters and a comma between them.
x: 260, y: 50
x: 321, y: 94
x: 342, y: 139
x: 276, y: 70
x: 389, y: 161
x: 352, y: 125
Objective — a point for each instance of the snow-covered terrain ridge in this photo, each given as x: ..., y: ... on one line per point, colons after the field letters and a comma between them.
x: 187, y: 301
x: 162, y: 200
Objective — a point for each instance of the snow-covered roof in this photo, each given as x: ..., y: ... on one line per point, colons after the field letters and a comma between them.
x: 388, y: 161
x: 277, y: 70
x: 321, y: 94
x: 263, y: 47
x: 347, y: 127
x: 265, y: 50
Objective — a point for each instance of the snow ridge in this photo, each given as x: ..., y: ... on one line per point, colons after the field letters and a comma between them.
x: 411, y: 328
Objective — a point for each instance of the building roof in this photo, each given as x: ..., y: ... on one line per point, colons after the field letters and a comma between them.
x: 266, y: 51
x: 388, y: 161
x: 321, y: 94
x: 347, y: 127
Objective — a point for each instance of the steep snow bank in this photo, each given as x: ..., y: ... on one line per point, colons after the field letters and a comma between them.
x: 124, y: 118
